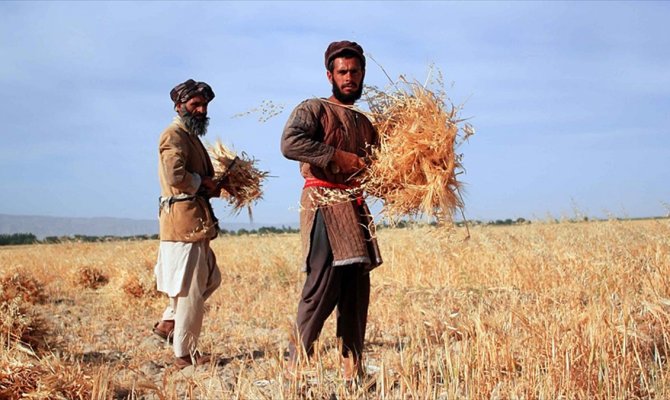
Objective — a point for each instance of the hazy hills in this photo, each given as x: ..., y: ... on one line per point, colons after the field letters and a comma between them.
x: 43, y: 226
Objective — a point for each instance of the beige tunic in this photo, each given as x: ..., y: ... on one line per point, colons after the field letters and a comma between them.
x: 314, y: 130
x: 181, y: 156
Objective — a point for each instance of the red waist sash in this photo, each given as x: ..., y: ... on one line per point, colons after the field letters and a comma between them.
x: 316, y: 182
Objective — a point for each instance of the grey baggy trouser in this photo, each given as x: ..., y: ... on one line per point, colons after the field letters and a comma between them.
x: 326, y: 287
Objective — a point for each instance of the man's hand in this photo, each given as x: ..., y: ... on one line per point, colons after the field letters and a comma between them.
x: 346, y: 163
x: 225, y: 184
x: 209, y: 186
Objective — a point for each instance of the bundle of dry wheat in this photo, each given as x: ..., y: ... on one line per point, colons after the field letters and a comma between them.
x: 17, y: 379
x: 238, y: 175
x: 21, y: 324
x: 15, y: 284
x: 414, y: 169
x: 89, y: 277
x: 45, y: 379
x: 140, y: 285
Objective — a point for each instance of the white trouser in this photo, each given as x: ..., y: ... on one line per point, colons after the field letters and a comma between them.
x: 187, y: 309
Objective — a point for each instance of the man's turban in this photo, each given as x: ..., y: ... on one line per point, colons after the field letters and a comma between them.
x: 345, y: 47
x: 184, y: 91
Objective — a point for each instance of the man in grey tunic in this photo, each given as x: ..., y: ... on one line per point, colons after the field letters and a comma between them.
x: 186, y: 269
x: 331, y: 138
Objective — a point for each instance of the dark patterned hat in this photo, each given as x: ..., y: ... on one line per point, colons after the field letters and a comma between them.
x: 184, y: 91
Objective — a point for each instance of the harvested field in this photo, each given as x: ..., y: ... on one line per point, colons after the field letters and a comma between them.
x: 539, y: 311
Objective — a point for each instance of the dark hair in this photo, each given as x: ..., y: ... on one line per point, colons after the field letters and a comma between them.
x: 346, y: 54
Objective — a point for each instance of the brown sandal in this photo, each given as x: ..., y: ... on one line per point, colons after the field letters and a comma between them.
x: 187, y: 361
x: 165, y: 334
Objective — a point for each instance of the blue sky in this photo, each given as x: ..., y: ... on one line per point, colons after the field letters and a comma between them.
x: 570, y: 100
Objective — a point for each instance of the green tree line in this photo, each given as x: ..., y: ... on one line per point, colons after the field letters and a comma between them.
x: 29, y: 238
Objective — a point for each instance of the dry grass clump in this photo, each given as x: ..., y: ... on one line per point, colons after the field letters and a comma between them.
x: 140, y: 286
x: 20, y: 285
x: 68, y: 380
x: 415, y: 167
x: 238, y: 175
x: 17, y: 379
x: 21, y: 324
x: 48, y: 379
x: 90, y: 278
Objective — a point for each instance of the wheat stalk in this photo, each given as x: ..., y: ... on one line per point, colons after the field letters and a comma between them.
x: 238, y: 175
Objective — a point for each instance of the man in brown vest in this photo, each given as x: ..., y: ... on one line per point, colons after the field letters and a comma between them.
x: 186, y: 269
x: 330, y: 139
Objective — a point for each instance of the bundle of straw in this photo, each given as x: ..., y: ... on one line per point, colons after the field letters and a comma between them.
x: 238, y: 175
x: 414, y: 169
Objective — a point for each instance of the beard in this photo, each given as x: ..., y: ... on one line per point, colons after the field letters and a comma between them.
x: 195, y: 124
x: 347, y: 98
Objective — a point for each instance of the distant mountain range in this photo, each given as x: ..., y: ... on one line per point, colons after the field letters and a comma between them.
x: 43, y: 226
